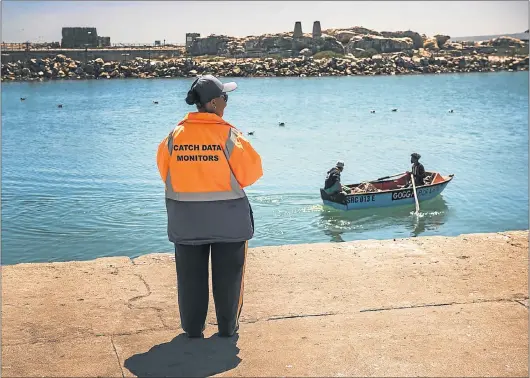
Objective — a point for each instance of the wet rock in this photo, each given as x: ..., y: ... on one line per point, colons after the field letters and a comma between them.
x: 108, y: 67
x: 89, y: 69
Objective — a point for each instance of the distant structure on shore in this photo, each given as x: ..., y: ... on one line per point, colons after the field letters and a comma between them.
x: 317, y: 30
x: 297, y: 32
x: 190, y: 37
x: 81, y: 37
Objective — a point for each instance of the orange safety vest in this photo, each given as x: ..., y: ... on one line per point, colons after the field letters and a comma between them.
x: 206, y: 159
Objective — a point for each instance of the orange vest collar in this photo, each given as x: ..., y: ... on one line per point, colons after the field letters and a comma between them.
x: 200, y: 117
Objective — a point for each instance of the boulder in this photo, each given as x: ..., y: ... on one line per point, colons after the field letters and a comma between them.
x: 431, y: 44
x: 328, y: 43
x: 89, y: 69
x: 379, y: 44
x: 453, y: 46
x: 506, y: 42
x: 417, y: 39
x: 344, y: 36
x: 305, y: 52
x: 357, y: 30
x: 108, y: 67
x: 441, y: 40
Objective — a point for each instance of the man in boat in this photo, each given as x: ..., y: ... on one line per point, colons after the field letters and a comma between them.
x: 417, y: 170
x: 332, y: 184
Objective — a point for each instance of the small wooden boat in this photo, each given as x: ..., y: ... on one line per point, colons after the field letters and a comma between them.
x: 391, y: 193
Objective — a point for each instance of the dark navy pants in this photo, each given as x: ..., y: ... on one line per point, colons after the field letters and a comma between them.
x: 228, y: 269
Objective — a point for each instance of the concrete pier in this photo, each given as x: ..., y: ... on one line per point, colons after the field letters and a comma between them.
x: 83, y: 55
x: 430, y: 306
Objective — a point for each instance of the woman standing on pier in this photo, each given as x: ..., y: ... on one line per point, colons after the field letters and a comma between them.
x: 205, y: 163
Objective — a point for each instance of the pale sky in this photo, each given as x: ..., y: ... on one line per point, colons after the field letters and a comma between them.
x: 147, y: 21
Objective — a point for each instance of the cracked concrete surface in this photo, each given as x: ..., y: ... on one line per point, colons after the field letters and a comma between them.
x: 431, y: 306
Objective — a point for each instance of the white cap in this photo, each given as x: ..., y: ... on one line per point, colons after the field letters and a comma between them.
x: 340, y: 164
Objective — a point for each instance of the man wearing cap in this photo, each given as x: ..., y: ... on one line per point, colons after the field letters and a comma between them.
x: 205, y: 163
x: 332, y: 184
x: 417, y: 169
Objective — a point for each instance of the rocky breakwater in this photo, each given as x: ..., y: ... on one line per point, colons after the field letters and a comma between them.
x: 61, y: 68
x: 282, y: 43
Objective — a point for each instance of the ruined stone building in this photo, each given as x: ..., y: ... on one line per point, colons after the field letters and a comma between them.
x: 190, y: 37
x: 81, y: 37
x: 103, y: 41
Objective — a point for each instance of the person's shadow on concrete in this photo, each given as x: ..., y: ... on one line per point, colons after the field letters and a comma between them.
x: 184, y: 357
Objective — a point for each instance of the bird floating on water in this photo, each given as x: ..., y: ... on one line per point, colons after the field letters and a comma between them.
x: 22, y: 98
x: 250, y: 133
x: 281, y: 124
x: 372, y: 111
x: 394, y: 110
x: 155, y: 102
x: 60, y: 105
x: 450, y: 111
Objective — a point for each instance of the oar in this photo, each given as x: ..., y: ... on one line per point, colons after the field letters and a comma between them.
x: 415, y: 194
x: 386, y: 177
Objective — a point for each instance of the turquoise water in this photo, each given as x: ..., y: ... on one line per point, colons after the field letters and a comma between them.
x: 81, y: 182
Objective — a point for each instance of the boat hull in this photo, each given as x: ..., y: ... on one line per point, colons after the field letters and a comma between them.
x: 397, y: 197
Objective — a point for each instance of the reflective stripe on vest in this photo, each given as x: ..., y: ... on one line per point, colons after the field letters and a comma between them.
x: 235, y: 192
x: 170, y: 143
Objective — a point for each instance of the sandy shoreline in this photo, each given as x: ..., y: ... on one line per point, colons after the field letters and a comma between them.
x: 429, y: 306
